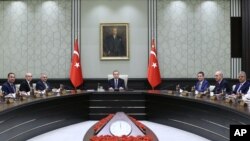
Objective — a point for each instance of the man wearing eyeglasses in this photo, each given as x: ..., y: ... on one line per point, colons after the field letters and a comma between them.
x: 42, y: 84
x: 243, y: 85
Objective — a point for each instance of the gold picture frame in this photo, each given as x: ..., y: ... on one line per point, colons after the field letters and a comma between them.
x: 114, y: 41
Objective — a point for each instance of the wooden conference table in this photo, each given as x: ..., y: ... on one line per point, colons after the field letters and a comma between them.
x: 211, y: 119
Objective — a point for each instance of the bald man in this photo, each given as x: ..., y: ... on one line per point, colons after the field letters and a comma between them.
x: 243, y: 85
x: 26, y: 85
x: 221, y: 83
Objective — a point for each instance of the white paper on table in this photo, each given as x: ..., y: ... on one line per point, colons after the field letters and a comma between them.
x: 11, y: 95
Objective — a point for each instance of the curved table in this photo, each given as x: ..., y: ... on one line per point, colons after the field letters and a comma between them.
x: 22, y: 120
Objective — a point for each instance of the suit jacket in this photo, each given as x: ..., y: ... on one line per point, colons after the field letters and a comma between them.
x: 24, y: 86
x: 41, y: 86
x: 6, y: 88
x: 244, y: 88
x: 114, y: 46
x: 222, y: 86
x: 204, y: 86
x: 121, y: 83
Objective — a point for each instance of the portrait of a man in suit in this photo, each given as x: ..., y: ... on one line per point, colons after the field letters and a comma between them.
x: 114, y: 42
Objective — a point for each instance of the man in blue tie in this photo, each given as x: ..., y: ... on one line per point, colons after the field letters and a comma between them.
x: 9, y: 86
x: 243, y: 85
x: 116, y: 83
x: 202, y: 84
x: 42, y: 84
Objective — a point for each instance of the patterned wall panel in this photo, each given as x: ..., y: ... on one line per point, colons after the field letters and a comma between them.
x: 35, y: 36
x: 193, y: 35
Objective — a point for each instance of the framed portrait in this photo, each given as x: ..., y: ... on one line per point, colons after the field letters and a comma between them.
x: 114, y: 41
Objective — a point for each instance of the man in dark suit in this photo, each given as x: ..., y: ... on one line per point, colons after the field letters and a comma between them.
x: 9, y: 86
x: 221, y: 84
x: 202, y: 84
x: 243, y: 86
x: 42, y: 84
x: 116, y: 83
x: 26, y: 85
x: 113, y: 45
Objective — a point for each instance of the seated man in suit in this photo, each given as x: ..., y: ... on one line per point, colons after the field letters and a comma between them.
x: 221, y: 84
x: 26, y: 85
x: 9, y: 86
x: 116, y: 83
x: 42, y: 84
x: 202, y: 84
x: 243, y: 86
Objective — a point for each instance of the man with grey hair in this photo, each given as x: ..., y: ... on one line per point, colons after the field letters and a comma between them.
x: 243, y: 86
x: 26, y: 85
x: 42, y: 84
x: 221, y: 84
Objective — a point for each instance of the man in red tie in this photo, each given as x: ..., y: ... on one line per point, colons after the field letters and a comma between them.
x: 221, y: 84
x: 116, y: 83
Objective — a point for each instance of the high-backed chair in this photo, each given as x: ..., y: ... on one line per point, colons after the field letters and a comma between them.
x: 233, y: 87
x: 122, y: 76
x: 17, y: 87
x: 34, y: 86
x: 211, y: 88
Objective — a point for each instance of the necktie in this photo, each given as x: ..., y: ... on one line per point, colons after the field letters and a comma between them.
x: 13, y: 87
x: 200, y: 83
x: 116, y: 83
x: 239, y: 87
x: 217, y: 87
x: 45, y: 84
x: 30, y: 85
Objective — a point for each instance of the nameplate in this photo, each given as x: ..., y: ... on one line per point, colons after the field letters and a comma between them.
x: 49, y: 94
x: 229, y: 100
x: 63, y: 92
x: 199, y: 95
x: 36, y: 95
x: 23, y: 98
x: 10, y: 100
x: 243, y: 104
x: 184, y: 93
x: 213, y: 97
x: 170, y: 92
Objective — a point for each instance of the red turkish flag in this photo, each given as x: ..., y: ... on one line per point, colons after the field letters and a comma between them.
x: 154, y: 76
x: 76, y: 69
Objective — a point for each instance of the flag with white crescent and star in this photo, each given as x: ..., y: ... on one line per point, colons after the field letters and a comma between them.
x: 154, y: 76
x: 76, y: 69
